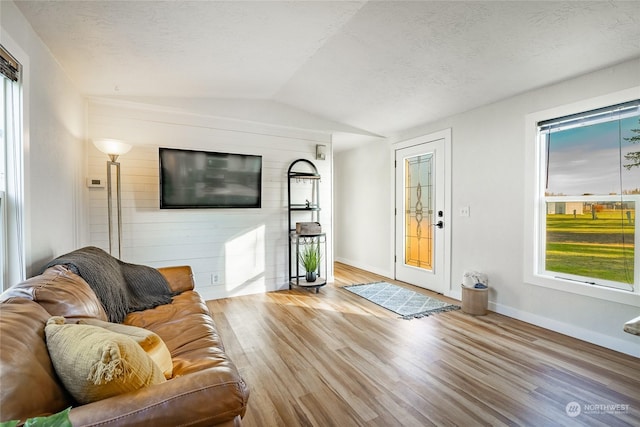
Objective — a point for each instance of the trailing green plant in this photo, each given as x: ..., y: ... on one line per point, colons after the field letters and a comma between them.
x: 61, y: 419
x: 310, y: 257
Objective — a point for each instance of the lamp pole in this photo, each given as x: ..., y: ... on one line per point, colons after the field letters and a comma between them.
x: 113, y: 148
x: 111, y: 164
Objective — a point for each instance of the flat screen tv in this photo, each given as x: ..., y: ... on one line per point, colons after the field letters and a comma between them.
x: 204, y: 179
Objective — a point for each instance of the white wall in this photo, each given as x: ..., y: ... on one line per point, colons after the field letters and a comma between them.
x: 363, y: 205
x: 488, y: 149
x: 245, y: 248
x: 54, y: 135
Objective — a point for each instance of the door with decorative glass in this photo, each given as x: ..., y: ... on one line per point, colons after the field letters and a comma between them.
x: 421, y: 223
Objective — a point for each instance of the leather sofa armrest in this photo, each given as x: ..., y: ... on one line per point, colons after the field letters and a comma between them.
x: 180, y: 278
x: 633, y: 326
x: 209, y: 397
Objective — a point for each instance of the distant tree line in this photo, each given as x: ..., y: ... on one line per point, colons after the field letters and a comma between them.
x: 633, y: 157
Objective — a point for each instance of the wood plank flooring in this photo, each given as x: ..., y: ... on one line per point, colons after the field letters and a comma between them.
x: 335, y: 359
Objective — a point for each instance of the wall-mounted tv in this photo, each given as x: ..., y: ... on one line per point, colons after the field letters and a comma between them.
x: 204, y: 179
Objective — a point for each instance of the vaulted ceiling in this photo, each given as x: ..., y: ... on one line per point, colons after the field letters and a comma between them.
x: 358, y: 67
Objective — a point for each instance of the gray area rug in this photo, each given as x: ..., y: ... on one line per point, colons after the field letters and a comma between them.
x: 402, y: 301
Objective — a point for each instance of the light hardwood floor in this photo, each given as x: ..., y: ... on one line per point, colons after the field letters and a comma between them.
x: 335, y: 359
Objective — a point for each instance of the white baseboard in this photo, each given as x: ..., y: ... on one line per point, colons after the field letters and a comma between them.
x: 365, y: 267
x: 455, y: 294
x: 613, y: 343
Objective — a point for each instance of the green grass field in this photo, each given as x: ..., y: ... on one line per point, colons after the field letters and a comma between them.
x: 602, y: 248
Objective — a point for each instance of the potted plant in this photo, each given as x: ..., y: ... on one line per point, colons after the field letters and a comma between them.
x: 310, y: 257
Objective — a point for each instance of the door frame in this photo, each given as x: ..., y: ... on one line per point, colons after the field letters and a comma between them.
x: 446, y: 136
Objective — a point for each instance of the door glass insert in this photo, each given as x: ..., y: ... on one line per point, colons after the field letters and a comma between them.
x: 418, y: 230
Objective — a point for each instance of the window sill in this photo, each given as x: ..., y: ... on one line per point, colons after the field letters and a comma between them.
x: 593, y: 291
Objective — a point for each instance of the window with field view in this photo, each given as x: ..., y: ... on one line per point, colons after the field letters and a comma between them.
x: 591, y: 195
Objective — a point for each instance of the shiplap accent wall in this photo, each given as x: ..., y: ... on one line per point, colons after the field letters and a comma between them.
x: 232, y: 251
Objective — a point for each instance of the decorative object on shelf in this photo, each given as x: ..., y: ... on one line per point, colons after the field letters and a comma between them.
x: 113, y: 148
x: 310, y: 257
x: 308, y: 228
x: 307, y: 242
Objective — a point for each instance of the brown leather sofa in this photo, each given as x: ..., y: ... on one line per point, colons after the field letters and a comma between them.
x: 205, y: 390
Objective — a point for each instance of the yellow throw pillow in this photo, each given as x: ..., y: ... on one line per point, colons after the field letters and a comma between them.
x: 94, y: 363
x: 150, y: 342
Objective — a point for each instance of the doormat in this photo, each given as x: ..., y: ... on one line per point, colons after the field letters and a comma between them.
x: 402, y: 301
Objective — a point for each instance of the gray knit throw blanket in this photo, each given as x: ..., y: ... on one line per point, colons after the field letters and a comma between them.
x: 121, y: 287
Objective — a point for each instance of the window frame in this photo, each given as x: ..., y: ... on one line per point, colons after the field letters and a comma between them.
x: 535, y: 205
x: 3, y: 245
x: 15, y: 238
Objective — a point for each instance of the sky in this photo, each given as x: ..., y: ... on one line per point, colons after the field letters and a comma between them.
x: 587, y: 159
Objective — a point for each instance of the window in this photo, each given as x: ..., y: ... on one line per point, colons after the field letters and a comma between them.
x: 587, y: 198
x: 12, y: 253
x: 3, y: 185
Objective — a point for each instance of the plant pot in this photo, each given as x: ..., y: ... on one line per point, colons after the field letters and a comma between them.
x: 311, y: 276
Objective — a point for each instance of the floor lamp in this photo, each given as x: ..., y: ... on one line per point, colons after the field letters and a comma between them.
x: 113, y: 148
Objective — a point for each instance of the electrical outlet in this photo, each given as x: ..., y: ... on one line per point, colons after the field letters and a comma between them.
x: 464, y: 211
x: 215, y: 278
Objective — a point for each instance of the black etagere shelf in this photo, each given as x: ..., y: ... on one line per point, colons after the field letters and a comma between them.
x: 307, y: 182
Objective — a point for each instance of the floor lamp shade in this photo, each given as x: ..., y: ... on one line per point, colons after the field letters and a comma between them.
x: 113, y: 148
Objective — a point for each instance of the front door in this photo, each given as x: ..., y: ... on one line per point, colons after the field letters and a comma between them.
x: 422, y: 217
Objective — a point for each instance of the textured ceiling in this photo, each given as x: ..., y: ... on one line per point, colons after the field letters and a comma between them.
x: 369, y: 67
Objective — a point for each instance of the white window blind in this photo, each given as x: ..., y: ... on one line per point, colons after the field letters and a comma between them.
x: 9, y: 67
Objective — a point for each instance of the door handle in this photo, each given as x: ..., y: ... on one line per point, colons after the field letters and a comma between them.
x: 440, y: 224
